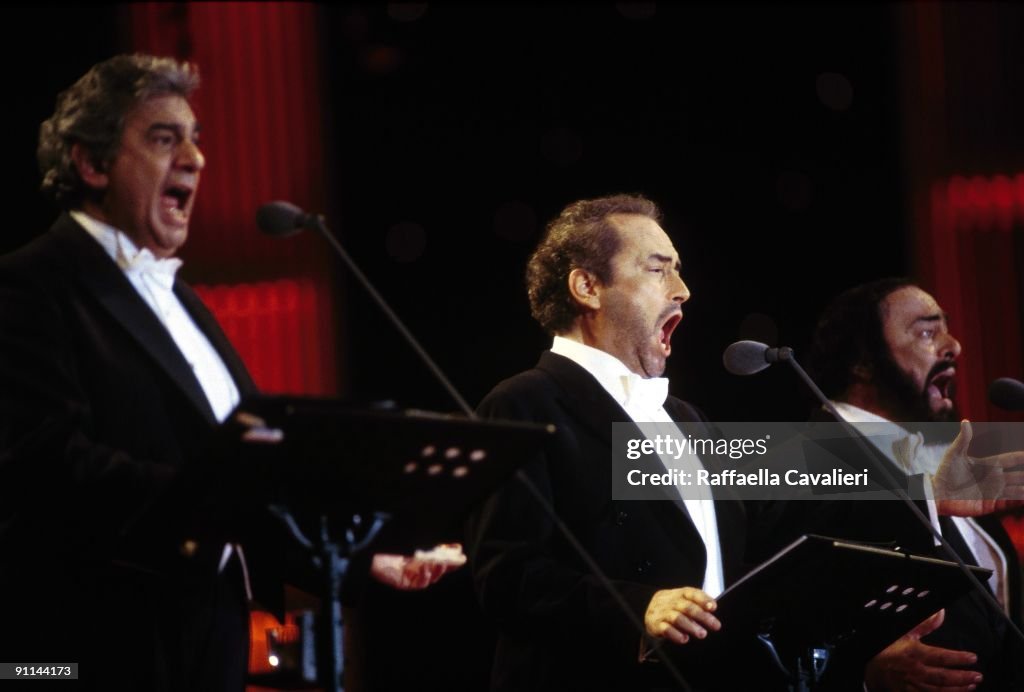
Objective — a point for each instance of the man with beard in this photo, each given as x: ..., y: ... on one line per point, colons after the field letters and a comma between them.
x: 605, y: 282
x: 883, y: 353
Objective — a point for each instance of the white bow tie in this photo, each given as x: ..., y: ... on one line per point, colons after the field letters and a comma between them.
x: 161, y: 271
x: 646, y: 393
x: 907, y: 450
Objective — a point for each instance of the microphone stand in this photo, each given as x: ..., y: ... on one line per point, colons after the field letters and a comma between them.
x: 321, y: 227
x: 901, y: 494
x: 335, y: 567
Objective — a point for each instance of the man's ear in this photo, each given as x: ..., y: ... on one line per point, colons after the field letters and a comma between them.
x: 88, y: 170
x: 585, y: 288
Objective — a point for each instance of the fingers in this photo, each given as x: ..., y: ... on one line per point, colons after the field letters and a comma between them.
x: 679, y: 614
x: 963, y: 440
x: 928, y: 626
x: 909, y: 664
x: 947, y: 679
x: 692, y: 593
x: 1006, y: 460
x: 695, y: 620
x: 966, y: 433
x: 419, y: 574
x: 1013, y: 478
x: 935, y: 657
x: 388, y: 569
x: 1010, y: 460
x: 408, y: 574
x: 1004, y: 505
x: 928, y: 687
x: 945, y: 669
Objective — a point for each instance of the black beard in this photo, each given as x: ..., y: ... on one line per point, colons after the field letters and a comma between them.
x: 911, y: 404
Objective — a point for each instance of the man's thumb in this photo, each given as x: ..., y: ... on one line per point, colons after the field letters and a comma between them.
x: 928, y: 626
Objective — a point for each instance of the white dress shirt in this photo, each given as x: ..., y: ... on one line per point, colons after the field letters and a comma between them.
x: 643, y: 400
x: 153, y: 280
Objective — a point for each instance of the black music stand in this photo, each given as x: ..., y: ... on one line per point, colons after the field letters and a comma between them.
x: 820, y: 595
x: 414, y: 474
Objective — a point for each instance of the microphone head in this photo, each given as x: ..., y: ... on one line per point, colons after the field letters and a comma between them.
x: 746, y: 357
x: 1007, y: 393
x: 280, y: 218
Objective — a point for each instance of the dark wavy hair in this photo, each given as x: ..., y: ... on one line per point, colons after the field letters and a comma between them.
x: 580, y: 237
x: 92, y: 113
x: 850, y: 333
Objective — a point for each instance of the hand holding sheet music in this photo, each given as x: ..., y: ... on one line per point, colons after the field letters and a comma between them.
x: 678, y: 614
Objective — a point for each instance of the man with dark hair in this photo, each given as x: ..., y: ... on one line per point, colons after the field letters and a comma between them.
x: 119, y: 551
x: 852, y: 353
x: 883, y: 353
x: 113, y: 377
x: 605, y: 282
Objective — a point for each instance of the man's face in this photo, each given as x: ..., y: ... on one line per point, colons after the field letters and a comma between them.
x: 640, y: 307
x: 151, y: 184
x: 921, y: 373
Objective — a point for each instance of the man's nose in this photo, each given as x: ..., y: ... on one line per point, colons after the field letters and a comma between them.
x: 680, y: 291
x: 190, y: 157
x: 950, y: 349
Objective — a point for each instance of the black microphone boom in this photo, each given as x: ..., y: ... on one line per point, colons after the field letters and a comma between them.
x: 749, y: 357
x: 284, y: 218
x: 1007, y: 393
x: 280, y: 219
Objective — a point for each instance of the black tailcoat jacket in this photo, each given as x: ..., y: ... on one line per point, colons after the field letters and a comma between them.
x: 559, y: 628
x: 109, y: 558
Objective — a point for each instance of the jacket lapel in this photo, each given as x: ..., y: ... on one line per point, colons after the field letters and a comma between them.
x: 208, y: 325
x: 100, y: 276
x: 584, y: 397
x: 730, y: 512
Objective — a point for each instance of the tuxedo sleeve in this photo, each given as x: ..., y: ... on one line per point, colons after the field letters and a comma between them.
x: 53, y: 470
x: 529, y: 579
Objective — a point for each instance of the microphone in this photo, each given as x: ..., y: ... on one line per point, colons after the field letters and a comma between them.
x: 749, y: 357
x: 1007, y: 393
x: 284, y: 218
x: 280, y: 219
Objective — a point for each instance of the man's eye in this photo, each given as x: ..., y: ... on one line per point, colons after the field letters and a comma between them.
x: 657, y: 270
x: 927, y: 333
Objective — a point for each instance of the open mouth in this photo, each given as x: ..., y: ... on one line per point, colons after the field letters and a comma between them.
x: 942, y: 386
x: 667, y: 327
x: 175, y: 201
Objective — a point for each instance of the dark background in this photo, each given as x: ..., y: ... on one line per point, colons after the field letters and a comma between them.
x: 768, y: 134
x: 781, y: 141
x: 461, y: 133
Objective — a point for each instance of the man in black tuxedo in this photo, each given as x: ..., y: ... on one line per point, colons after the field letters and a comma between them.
x: 113, y: 378
x: 122, y: 548
x: 605, y: 282
x: 884, y: 354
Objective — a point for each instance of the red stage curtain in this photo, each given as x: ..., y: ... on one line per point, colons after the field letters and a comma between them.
x: 263, y: 128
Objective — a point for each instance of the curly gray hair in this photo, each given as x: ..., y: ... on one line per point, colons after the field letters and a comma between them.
x: 92, y: 113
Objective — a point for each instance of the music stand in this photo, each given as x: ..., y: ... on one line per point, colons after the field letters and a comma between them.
x: 820, y: 594
x: 415, y: 473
